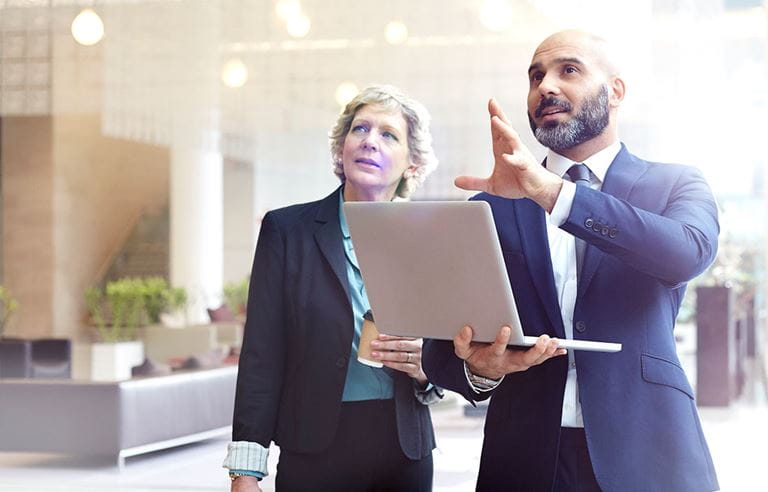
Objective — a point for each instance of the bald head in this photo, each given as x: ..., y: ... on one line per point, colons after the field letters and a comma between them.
x: 600, y: 51
x: 574, y: 93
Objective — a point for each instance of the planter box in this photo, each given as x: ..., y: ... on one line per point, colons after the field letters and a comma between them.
x: 106, y: 361
x: 163, y: 344
x: 15, y: 358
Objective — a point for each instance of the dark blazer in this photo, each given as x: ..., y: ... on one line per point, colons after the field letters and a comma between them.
x: 298, y: 339
x: 652, y: 228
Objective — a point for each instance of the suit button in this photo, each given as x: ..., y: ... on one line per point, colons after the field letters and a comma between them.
x: 341, y: 362
x: 604, y: 231
x: 597, y: 226
x: 581, y: 326
x: 612, y: 233
x: 589, y: 222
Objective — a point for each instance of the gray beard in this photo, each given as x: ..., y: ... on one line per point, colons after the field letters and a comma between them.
x: 588, y: 123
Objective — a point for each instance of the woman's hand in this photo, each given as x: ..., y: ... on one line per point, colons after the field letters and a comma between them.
x: 245, y: 483
x: 400, y: 353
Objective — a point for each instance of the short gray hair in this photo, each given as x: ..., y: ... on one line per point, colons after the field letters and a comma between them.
x: 420, y: 150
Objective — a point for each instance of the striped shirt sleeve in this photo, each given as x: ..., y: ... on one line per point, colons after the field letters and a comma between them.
x: 244, y: 456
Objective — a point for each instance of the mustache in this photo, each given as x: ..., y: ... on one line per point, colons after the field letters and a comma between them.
x: 549, y: 102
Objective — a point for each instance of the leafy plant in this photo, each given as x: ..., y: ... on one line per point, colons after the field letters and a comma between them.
x: 94, y: 300
x: 236, y: 295
x: 126, y: 301
x: 7, y: 306
x: 734, y: 266
x: 130, y: 302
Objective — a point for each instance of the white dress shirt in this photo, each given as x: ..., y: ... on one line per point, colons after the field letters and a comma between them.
x: 562, y: 247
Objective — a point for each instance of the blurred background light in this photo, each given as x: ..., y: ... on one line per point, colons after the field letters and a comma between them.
x: 496, y: 15
x: 87, y: 27
x: 396, y: 32
x: 234, y: 74
x: 298, y: 26
x: 345, y: 92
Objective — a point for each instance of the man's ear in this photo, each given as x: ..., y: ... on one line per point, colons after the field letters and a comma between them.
x: 616, y: 92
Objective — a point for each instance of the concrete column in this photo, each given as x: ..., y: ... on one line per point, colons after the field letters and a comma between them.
x: 28, y: 217
x: 239, y: 219
x: 196, y: 228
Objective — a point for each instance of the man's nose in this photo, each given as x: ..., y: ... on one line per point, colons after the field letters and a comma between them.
x: 548, y: 85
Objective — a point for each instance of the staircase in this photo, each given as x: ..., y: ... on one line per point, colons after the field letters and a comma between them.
x: 146, y: 251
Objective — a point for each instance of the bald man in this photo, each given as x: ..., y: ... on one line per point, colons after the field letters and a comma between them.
x: 599, y: 244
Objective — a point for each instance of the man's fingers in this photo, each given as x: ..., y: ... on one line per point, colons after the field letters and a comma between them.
x: 501, y: 129
x: 472, y: 183
x: 494, y: 108
x: 533, y: 354
x: 499, y: 345
x: 550, y: 350
x: 462, y: 341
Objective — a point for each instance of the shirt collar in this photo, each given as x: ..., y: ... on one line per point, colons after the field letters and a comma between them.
x: 597, y: 163
x: 343, y: 217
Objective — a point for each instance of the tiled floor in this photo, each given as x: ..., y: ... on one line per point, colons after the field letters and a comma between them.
x: 737, y: 437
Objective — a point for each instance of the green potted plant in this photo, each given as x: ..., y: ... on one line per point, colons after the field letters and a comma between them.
x: 117, y: 311
x: 161, y: 298
x: 236, y: 296
x: 7, y: 306
x: 15, y: 354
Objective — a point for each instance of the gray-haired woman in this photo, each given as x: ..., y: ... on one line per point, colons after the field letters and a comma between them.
x: 340, y: 425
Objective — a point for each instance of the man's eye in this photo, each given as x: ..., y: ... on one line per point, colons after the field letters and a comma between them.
x: 570, y: 69
x: 536, y: 77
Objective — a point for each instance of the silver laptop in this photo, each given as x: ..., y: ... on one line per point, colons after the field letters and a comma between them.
x: 432, y: 267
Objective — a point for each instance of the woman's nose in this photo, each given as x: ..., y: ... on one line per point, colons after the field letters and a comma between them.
x: 369, y: 142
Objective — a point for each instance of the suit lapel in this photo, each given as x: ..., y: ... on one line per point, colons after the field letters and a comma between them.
x: 533, y: 236
x: 622, y: 175
x: 329, y: 240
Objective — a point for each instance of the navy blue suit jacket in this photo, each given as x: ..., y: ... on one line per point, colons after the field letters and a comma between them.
x: 298, y: 339
x: 651, y: 228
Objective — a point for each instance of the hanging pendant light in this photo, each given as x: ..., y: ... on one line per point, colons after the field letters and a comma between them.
x: 87, y: 28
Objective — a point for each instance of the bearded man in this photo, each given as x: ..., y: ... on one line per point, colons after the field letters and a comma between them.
x: 598, y: 244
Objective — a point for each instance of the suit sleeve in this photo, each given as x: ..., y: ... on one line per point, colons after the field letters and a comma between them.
x: 444, y: 369
x: 673, y: 246
x: 260, y: 372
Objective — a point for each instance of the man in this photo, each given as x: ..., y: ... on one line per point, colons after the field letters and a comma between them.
x: 602, y: 253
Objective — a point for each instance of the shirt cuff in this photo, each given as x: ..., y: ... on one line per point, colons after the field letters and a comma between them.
x: 244, y: 456
x: 429, y: 395
x: 258, y: 475
x: 563, y: 204
x: 480, y: 386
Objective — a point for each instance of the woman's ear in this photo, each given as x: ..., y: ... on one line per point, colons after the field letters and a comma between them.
x: 410, y: 171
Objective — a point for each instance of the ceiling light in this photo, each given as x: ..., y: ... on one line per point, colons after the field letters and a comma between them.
x: 496, y: 15
x: 396, y: 32
x: 234, y: 74
x: 87, y: 28
x: 345, y: 92
x: 298, y: 26
x: 287, y: 9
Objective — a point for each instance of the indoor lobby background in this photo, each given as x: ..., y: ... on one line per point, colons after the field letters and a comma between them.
x: 153, y: 144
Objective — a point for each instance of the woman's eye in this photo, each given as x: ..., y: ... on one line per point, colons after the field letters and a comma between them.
x: 390, y: 135
x: 359, y: 129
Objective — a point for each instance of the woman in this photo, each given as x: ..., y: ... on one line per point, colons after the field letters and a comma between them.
x: 340, y: 425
